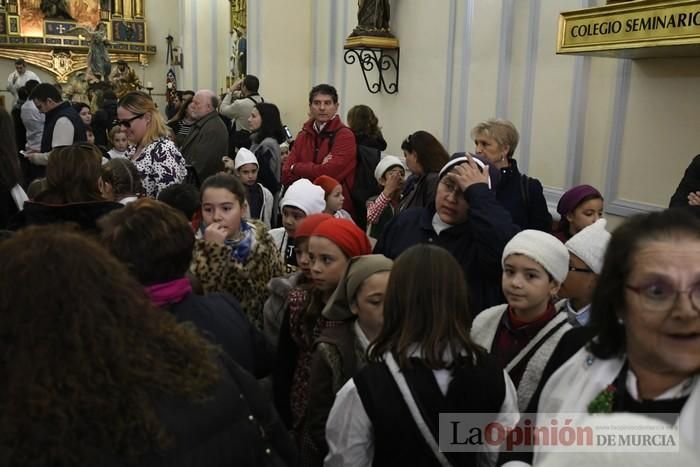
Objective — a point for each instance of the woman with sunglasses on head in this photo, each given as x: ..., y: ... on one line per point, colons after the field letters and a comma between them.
x: 158, y: 160
x: 425, y: 156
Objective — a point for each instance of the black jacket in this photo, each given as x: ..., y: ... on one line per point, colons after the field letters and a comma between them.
x: 522, y: 196
x: 690, y: 183
x: 219, y: 318
x: 477, y: 244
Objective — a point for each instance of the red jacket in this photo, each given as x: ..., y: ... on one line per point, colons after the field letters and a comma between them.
x: 311, y: 147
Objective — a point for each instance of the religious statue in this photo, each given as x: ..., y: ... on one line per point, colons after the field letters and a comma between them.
x: 124, y: 80
x: 372, y: 18
x: 55, y: 9
x: 99, y: 66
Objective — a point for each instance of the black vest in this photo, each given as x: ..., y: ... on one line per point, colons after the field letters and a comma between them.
x: 64, y: 109
x: 397, y: 440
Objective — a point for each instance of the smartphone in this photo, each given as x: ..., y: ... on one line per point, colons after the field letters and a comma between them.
x: 287, y: 132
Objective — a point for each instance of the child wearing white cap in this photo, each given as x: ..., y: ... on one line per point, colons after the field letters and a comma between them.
x: 301, y: 199
x: 587, y: 249
x: 259, y: 199
x: 390, y: 173
x: 523, y: 333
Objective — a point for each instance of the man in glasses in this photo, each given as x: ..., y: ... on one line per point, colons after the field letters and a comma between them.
x: 586, y: 250
x: 62, y: 126
x: 207, y: 141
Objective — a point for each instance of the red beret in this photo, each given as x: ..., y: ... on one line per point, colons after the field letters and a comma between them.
x: 309, y: 223
x: 344, y: 233
x: 327, y: 183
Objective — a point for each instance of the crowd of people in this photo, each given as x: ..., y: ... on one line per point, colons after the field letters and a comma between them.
x: 200, y: 288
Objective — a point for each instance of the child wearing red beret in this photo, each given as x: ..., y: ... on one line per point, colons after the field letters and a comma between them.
x: 334, y: 197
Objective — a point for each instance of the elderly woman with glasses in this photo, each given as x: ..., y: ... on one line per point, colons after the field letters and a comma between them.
x: 645, y: 357
x: 158, y: 160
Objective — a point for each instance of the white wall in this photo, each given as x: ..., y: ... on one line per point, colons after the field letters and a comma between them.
x: 626, y: 127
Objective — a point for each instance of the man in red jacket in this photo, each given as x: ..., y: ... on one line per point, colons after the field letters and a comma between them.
x: 324, y: 146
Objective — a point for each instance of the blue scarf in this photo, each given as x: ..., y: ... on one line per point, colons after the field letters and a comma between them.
x: 242, y: 246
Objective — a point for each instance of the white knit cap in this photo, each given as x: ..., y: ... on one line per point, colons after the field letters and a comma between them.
x: 306, y: 196
x: 385, y: 164
x: 457, y: 160
x: 542, y: 247
x: 244, y: 156
x: 590, y: 245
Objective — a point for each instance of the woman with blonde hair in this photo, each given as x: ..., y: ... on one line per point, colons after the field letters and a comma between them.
x: 158, y: 160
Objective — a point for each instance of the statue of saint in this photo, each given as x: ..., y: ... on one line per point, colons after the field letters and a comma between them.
x: 372, y: 18
x: 124, y: 80
x: 98, y: 64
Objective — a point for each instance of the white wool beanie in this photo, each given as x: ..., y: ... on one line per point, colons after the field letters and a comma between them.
x: 306, y: 196
x: 457, y: 160
x: 244, y: 156
x: 542, y: 247
x: 590, y: 245
x: 385, y: 164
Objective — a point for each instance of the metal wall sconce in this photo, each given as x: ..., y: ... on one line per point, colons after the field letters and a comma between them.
x: 384, y: 59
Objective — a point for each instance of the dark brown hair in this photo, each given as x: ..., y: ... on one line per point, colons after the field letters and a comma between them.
x: 124, y: 177
x: 72, y: 175
x: 363, y: 121
x: 86, y: 357
x: 152, y: 239
x: 430, y: 153
x: 227, y: 182
x: 426, y: 304
x: 9, y: 164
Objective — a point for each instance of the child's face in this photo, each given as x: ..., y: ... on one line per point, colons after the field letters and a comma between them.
x: 291, y: 217
x: 248, y: 174
x: 395, y: 171
x: 334, y: 201
x: 120, y: 142
x: 369, y: 302
x: 584, y: 215
x: 328, y: 263
x: 301, y: 250
x: 526, y: 285
x: 579, y: 283
x: 221, y: 206
x: 89, y: 135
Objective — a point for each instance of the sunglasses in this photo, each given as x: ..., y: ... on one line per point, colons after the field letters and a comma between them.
x: 126, y: 123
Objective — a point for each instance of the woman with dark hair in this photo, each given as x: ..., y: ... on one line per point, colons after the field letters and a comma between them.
x: 183, y: 121
x: 495, y: 141
x: 579, y: 207
x: 71, y: 193
x: 364, y: 123
x: 425, y: 156
x: 12, y: 196
x: 267, y: 135
x: 112, y: 381
x: 423, y: 357
x: 646, y: 316
x: 158, y: 160
x: 84, y: 112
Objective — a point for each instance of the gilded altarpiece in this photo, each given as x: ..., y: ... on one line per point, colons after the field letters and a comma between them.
x: 50, y: 34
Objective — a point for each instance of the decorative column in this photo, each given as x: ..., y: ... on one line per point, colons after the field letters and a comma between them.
x: 138, y: 9
x: 118, y: 8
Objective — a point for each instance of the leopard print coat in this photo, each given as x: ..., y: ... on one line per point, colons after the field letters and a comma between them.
x: 218, y: 272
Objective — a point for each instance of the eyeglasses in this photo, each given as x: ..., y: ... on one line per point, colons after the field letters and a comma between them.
x: 126, y: 123
x: 575, y: 269
x: 450, y: 185
x: 407, y: 141
x: 661, y: 297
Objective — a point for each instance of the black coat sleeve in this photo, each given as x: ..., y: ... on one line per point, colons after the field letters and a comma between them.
x: 688, y: 184
x: 538, y: 214
x: 265, y: 175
